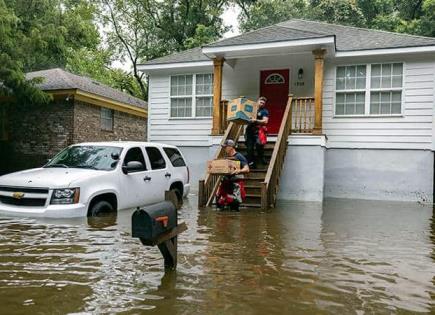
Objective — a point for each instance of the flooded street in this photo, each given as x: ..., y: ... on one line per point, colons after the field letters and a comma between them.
x: 345, y: 257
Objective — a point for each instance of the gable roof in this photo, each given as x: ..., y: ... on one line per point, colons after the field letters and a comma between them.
x: 347, y: 38
x: 59, y: 79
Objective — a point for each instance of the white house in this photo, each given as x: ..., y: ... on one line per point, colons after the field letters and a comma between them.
x: 362, y: 106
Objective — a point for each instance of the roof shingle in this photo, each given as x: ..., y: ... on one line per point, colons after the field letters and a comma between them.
x: 348, y: 38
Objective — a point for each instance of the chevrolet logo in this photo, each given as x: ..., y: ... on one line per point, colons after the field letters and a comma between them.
x: 18, y: 195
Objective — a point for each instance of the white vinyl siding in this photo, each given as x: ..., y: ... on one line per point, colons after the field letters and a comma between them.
x: 372, y: 89
x: 410, y: 130
x: 191, y: 95
x: 189, y: 131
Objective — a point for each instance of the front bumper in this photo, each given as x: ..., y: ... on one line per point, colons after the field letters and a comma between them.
x: 51, y: 211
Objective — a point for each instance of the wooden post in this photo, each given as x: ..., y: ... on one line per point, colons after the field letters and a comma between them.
x: 217, y: 95
x: 318, y: 89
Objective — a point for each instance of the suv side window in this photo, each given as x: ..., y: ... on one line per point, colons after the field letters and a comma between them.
x: 175, y: 157
x: 156, y: 158
x: 135, y: 154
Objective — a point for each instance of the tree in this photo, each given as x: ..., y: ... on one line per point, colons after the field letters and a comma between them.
x: 140, y: 30
x: 41, y: 34
x: 261, y: 13
x: 344, y: 12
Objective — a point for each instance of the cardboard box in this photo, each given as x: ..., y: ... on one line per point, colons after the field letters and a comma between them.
x: 222, y: 167
x: 242, y: 110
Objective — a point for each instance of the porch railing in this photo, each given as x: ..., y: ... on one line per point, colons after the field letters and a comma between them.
x: 269, y: 188
x: 209, y: 185
x: 302, y: 113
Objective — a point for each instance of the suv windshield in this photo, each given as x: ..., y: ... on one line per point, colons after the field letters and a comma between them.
x: 104, y: 158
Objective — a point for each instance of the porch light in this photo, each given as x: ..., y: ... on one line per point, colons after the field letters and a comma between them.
x: 300, y: 73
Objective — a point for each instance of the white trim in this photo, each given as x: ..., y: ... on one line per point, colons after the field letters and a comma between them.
x: 311, y: 140
x: 281, y: 44
x: 192, y: 96
x: 386, y: 51
x: 175, y: 65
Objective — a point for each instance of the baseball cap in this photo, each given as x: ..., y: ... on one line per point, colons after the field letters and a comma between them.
x: 229, y: 143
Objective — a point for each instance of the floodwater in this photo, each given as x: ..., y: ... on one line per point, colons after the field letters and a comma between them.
x: 345, y: 257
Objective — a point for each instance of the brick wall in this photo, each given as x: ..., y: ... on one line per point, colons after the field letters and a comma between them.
x: 87, y: 125
x: 37, y: 133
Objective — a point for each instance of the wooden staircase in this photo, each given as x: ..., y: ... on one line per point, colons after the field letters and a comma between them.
x: 261, y: 184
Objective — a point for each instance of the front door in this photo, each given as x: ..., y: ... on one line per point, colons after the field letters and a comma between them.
x: 274, y: 85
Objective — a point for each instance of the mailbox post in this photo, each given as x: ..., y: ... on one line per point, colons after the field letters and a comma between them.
x: 158, y: 225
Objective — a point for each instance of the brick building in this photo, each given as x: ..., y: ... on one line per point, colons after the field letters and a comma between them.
x: 82, y: 110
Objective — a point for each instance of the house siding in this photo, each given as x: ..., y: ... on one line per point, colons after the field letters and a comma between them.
x: 411, y: 131
x: 162, y: 128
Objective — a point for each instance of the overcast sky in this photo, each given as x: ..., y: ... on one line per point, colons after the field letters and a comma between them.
x: 230, y: 19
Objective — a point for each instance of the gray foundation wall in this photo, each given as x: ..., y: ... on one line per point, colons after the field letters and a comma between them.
x: 312, y: 172
x: 302, y: 175
x: 402, y: 175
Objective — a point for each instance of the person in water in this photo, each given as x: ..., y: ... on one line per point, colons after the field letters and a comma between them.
x: 231, y: 191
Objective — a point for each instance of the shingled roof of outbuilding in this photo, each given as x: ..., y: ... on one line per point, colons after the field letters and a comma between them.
x: 347, y: 38
x: 59, y: 79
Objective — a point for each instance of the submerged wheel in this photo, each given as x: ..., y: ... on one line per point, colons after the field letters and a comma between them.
x: 101, y: 208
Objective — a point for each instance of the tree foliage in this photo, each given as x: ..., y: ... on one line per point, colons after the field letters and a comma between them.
x: 413, y: 17
x: 140, y: 30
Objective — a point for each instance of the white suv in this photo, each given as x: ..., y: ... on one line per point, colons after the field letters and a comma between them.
x: 90, y: 179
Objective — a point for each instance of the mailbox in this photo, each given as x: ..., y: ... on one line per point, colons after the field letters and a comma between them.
x: 148, y: 223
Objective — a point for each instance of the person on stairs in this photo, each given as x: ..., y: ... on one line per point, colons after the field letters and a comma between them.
x: 231, y: 191
x: 256, y: 134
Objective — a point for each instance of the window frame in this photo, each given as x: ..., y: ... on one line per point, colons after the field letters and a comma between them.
x: 193, y: 96
x: 102, y: 109
x: 162, y: 153
x: 368, y: 91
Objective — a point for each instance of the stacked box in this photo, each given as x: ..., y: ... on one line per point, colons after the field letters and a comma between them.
x: 242, y: 110
x: 222, y: 167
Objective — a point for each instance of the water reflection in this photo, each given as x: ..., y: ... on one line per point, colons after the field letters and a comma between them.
x: 346, y: 257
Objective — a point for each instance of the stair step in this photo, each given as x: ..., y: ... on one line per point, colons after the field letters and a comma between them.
x: 267, y: 146
x: 250, y: 205
x: 253, y: 175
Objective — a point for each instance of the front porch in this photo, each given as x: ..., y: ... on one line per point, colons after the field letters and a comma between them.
x: 305, y: 86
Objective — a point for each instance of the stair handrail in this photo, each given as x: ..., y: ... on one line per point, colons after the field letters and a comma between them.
x: 208, y: 186
x: 269, y: 187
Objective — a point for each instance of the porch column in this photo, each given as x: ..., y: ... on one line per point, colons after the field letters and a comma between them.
x: 217, y: 95
x: 318, y: 89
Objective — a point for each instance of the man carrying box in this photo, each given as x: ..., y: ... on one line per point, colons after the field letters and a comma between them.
x: 231, y: 191
x: 255, y: 134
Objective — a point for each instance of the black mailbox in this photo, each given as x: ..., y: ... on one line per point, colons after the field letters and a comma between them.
x: 148, y: 223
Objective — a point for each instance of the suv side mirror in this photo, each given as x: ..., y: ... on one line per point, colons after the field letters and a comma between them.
x: 133, y: 166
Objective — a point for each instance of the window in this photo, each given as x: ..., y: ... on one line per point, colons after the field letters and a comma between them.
x: 136, y: 155
x: 374, y: 89
x: 386, y: 89
x: 274, y: 78
x: 156, y: 158
x: 106, y: 119
x: 350, y: 90
x: 192, y: 95
x: 175, y: 157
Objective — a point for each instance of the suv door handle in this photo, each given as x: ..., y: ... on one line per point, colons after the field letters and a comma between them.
x: 147, y: 178
x: 168, y: 175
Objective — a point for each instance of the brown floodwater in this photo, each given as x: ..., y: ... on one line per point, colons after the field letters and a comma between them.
x: 342, y: 257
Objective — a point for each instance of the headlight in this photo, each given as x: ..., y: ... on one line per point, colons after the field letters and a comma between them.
x: 65, y: 196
